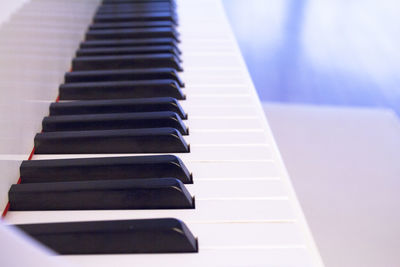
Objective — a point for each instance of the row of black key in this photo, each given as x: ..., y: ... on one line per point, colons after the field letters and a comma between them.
x: 125, y: 86
x: 128, y: 33
x: 121, y: 90
x: 129, y: 42
x: 123, y: 75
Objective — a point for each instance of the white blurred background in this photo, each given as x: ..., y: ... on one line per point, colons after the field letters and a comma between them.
x: 337, y: 52
x: 328, y: 72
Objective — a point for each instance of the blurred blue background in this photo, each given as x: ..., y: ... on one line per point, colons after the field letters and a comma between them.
x: 337, y: 52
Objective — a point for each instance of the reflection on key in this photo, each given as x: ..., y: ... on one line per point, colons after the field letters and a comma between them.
x: 131, y: 7
x: 108, y: 168
x: 155, y: 140
x: 120, y: 90
x: 133, y: 50
x: 111, y: 237
x: 128, y: 42
x: 168, y: 16
x: 118, y: 106
x: 126, y: 62
x: 114, y: 121
x: 161, y: 32
x: 155, y: 193
x: 129, y: 25
x: 123, y: 75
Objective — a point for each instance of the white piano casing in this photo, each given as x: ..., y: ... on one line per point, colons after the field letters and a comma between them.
x: 246, y: 211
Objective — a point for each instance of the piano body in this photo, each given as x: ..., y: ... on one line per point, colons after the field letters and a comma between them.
x: 245, y: 213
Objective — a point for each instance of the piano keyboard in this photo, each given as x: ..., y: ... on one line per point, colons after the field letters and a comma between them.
x: 166, y: 138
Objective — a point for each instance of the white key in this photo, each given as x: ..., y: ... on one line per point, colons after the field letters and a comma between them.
x: 255, y: 257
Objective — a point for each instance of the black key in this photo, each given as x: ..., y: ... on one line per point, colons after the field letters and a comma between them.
x: 129, y: 42
x: 153, y: 16
x: 109, y: 168
x: 156, y: 193
x: 130, y: 25
x: 137, y: 2
x: 143, y: 3
x: 123, y: 75
x: 154, y: 140
x: 114, y: 121
x: 117, y: 106
x: 134, y: 12
x: 134, y: 50
x: 114, y: 237
x: 105, y: 2
x: 132, y: 33
x: 120, y: 90
x: 112, y: 4
x: 135, y: 8
x: 126, y: 62
x: 123, y: 9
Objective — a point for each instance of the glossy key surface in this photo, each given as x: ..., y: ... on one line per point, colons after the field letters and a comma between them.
x: 165, y: 60
x: 153, y: 16
x: 120, y: 90
x: 154, y: 140
x: 154, y: 32
x: 128, y: 42
x: 123, y: 75
x: 154, y: 193
x: 130, y: 25
x: 153, y: 104
x: 111, y: 237
x: 105, y: 168
x: 114, y: 121
x: 135, y: 50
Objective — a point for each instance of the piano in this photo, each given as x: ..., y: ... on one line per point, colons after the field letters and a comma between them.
x: 133, y: 136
